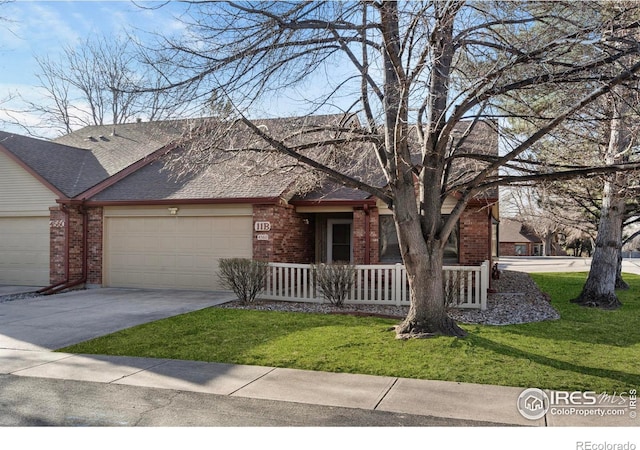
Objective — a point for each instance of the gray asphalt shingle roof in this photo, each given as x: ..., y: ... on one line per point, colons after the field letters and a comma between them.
x: 118, y: 146
x: 155, y: 181
x: 80, y: 160
x: 482, y: 140
x: 514, y: 231
x: 71, y: 170
x: 217, y: 172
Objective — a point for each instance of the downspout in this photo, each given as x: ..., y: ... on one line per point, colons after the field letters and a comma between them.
x: 67, y: 284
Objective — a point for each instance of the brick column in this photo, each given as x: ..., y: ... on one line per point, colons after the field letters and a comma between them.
x: 94, y: 246
x: 57, y: 245
x: 359, y: 236
x: 366, y: 236
x: 475, y: 226
x: 76, y: 243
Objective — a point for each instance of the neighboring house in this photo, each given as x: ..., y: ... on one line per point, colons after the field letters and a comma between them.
x: 101, y: 207
x: 516, y: 239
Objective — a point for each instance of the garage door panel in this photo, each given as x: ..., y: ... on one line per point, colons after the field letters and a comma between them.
x: 192, y: 243
x: 173, y: 252
x: 24, y: 250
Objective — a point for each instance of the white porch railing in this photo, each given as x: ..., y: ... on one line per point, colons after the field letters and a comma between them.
x: 466, y: 287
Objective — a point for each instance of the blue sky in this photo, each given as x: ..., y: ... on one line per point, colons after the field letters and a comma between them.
x: 38, y: 28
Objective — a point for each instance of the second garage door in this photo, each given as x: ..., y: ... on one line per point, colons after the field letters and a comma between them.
x: 173, y: 252
x: 24, y: 251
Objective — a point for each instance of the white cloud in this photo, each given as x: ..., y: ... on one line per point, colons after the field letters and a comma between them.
x: 38, y: 26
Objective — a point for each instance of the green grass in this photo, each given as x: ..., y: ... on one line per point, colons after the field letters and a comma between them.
x: 585, y: 350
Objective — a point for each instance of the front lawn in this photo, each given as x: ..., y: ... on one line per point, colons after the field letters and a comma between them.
x: 584, y: 350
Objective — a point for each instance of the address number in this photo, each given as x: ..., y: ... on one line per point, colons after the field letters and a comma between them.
x: 262, y: 226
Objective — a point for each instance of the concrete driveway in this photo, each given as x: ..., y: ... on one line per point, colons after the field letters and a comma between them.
x: 558, y: 264
x: 55, y: 321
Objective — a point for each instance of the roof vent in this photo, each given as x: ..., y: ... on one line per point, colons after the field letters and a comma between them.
x: 90, y: 138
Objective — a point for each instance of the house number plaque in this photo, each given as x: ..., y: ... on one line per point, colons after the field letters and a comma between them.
x: 262, y: 237
x: 262, y: 226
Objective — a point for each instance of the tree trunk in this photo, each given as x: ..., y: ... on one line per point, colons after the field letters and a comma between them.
x: 427, y: 315
x: 599, y: 290
x: 548, y: 244
x: 423, y: 260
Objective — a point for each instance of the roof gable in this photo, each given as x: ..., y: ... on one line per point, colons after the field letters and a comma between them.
x: 20, y: 191
x: 68, y: 170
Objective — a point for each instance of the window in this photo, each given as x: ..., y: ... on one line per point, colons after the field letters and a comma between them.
x: 390, y: 249
x: 339, y: 240
x: 452, y: 248
x: 521, y: 249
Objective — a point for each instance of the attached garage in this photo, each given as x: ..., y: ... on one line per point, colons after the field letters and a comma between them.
x: 159, y: 247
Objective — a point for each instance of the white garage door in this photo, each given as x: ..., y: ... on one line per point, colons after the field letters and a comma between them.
x: 24, y: 251
x: 174, y: 252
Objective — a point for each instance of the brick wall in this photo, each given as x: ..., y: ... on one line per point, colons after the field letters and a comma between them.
x: 57, y: 237
x: 58, y: 229
x: 59, y: 224
x: 291, y: 238
x: 75, y: 243
x: 94, y: 246
x: 360, y: 218
x: 509, y: 249
x: 475, y: 231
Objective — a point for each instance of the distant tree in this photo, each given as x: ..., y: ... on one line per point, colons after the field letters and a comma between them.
x: 4, y: 18
x: 94, y: 83
x: 604, y: 134
x: 440, y: 65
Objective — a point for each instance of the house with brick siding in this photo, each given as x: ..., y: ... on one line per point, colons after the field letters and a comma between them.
x: 516, y: 239
x: 104, y: 206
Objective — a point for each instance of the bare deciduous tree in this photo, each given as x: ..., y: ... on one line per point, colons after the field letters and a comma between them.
x: 96, y: 82
x: 411, y: 68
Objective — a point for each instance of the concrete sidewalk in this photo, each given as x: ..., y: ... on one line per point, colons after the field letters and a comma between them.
x: 483, y: 403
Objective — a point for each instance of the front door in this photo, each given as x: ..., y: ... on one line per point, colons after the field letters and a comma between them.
x: 339, y: 240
